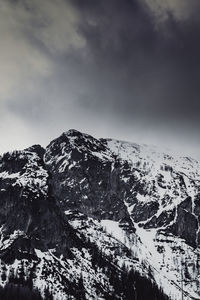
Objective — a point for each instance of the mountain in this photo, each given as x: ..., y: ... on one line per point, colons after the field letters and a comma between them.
x: 91, y: 218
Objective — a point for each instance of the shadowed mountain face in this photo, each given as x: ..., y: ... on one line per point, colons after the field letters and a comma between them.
x: 79, y: 216
x: 85, y: 176
x: 27, y: 204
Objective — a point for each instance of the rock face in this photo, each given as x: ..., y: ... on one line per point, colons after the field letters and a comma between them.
x: 82, y: 196
x: 26, y: 203
x: 85, y: 176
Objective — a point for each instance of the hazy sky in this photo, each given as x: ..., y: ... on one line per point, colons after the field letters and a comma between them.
x: 128, y: 69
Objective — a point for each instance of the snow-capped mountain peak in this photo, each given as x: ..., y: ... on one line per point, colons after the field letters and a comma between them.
x: 86, y: 215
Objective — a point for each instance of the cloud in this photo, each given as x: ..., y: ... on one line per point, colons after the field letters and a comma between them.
x: 107, y: 67
x: 35, y: 35
x: 30, y: 31
x: 138, y: 67
x: 182, y: 10
x: 54, y: 24
x: 21, y: 62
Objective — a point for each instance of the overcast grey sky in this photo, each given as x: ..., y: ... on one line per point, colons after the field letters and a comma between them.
x: 128, y: 69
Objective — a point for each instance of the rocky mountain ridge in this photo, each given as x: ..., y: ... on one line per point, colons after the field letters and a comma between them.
x: 138, y: 208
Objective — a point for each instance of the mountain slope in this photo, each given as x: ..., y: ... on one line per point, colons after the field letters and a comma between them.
x: 84, y: 216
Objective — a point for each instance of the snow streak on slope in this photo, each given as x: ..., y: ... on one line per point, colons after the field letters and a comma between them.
x: 168, y: 181
x: 143, y: 253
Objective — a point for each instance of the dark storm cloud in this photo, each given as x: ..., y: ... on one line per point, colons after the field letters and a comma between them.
x: 118, y: 68
x: 141, y: 63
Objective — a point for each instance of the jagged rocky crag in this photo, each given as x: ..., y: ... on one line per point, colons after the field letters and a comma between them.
x: 100, y: 219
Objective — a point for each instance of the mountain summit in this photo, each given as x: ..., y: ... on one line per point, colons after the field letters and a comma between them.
x: 91, y: 218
